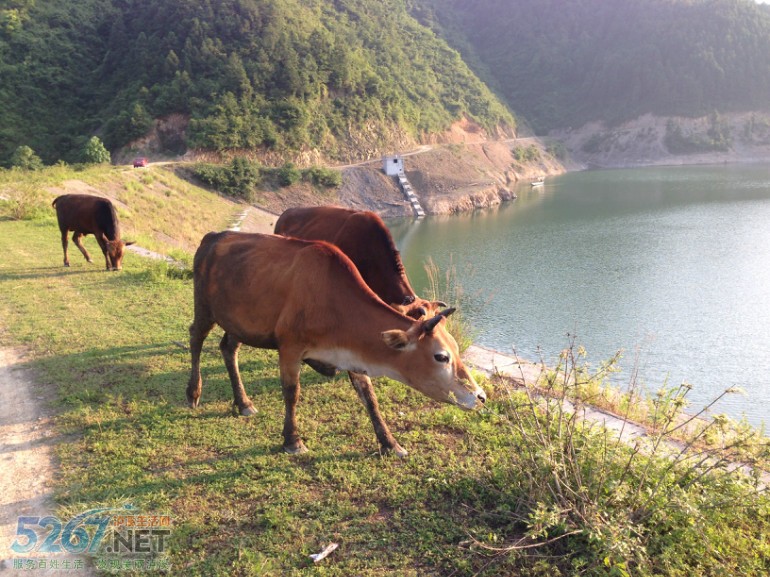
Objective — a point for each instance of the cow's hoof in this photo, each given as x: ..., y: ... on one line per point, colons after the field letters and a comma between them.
x: 296, y: 449
x: 248, y: 411
x: 67, y: 264
x: 193, y: 403
x: 396, y: 450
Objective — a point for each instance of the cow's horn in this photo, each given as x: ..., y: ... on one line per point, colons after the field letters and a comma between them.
x: 431, y: 324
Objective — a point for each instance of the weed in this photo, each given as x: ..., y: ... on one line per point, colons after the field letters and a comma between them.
x: 604, y: 503
x: 445, y: 287
x: 24, y: 201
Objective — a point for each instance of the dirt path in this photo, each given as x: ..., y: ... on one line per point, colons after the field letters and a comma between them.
x: 27, y: 469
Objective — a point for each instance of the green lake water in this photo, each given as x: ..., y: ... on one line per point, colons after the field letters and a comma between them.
x: 671, y: 264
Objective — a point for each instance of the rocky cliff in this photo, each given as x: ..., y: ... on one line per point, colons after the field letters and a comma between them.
x: 653, y: 140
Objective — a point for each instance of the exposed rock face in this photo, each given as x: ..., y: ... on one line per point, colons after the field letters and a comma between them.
x: 451, y: 204
x: 644, y: 142
x: 448, y: 178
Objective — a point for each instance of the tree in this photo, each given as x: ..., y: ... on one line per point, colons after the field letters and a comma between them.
x: 94, y: 152
x: 26, y: 159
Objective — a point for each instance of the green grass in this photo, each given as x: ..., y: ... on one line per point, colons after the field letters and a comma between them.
x: 107, y: 343
x: 473, y: 486
x: 156, y: 208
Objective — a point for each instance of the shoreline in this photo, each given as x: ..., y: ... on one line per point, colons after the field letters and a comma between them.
x: 526, y: 374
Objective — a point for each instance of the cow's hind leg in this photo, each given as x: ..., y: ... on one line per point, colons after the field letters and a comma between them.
x: 229, y: 347
x: 199, y: 330
x: 363, y: 386
x: 76, y: 238
x: 290, y: 368
x: 64, y: 243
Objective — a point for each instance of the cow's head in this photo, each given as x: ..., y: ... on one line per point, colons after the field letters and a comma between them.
x: 115, y: 252
x: 418, y: 308
x: 431, y: 363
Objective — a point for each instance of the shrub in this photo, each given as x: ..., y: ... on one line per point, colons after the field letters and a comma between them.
x: 94, y: 152
x: 717, y: 138
x: 326, y: 177
x: 25, y: 158
x: 529, y: 154
x: 238, y: 179
x: 288, y: 174
x: 557, y: 150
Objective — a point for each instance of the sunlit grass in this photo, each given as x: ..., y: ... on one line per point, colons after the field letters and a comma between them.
x: 520, y: 488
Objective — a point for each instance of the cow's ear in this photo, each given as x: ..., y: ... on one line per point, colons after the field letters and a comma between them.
x: 396, y: 339
x: 129, y: 243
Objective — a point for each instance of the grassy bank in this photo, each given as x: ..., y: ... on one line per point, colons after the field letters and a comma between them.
x: 518, y: 489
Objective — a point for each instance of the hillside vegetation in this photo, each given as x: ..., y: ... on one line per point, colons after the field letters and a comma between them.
x: 344, y: 77
x: 315, y: 81
x: 562, y: 64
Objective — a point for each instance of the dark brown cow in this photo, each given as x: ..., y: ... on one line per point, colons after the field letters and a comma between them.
x: 85, y: 214
x: 365, y: 239
x: 308, y: 301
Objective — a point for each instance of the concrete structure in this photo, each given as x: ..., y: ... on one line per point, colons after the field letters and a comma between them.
x: 393, y: 165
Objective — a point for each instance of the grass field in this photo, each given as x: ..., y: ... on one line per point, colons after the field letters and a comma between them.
x: 112, y: 347
x: 109, y: 344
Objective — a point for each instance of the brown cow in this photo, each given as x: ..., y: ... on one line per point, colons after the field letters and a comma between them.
x: 362, y: 236
x: 365, y: 239
x: 85, y: 214
x: 308, y: 301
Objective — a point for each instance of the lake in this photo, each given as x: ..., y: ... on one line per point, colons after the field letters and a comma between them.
x: 670, y: 264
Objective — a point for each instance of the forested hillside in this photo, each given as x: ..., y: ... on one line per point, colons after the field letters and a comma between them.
x: 561, y: 64
x: 351, y: 78
x: 272, y: 74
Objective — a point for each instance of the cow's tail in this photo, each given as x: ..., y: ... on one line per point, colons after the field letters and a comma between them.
x: 53, y: 204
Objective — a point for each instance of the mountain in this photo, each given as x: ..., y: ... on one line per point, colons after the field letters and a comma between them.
x: 349, y: 79
x: 560, y: 64
x: 281, y: 75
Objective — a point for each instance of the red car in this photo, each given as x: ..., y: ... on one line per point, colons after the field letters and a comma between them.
x: 140, y: 162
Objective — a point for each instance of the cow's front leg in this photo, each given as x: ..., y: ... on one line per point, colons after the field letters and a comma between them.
x: 363, y: 386
x: 229, y: 347
x: 77, y: 239
x: 290, y: 368
x: 105, y: 250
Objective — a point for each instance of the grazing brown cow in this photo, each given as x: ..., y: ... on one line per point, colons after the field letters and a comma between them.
x: 308, y: 301
x: 365, y: 239
x: 85, y: 214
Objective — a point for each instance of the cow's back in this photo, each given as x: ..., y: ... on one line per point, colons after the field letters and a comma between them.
x: 87, y: 214
x: 255, y: 286
x: 362, y: 236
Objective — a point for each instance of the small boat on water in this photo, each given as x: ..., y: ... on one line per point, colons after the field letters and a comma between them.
x: 539, y: 182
